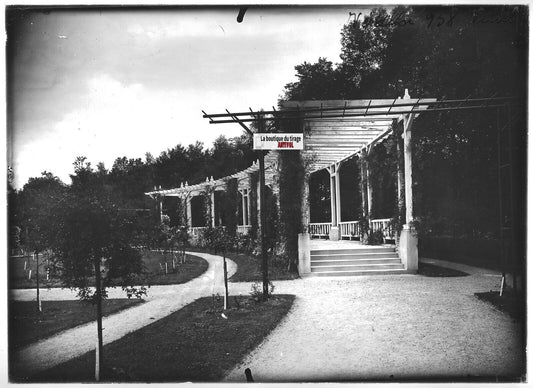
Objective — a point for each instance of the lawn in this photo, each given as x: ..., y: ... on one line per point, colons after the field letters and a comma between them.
x: 193, y: 344
x: 193, y: 267
x: 435, y: 271
x: 153, y: 261
x: 249, y: 267
x: 27, y: 325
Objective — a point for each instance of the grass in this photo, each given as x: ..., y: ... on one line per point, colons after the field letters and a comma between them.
x: 249, y: 267
x: 27, y: 324
x: 192, y: 268
x: 432, y: 270
x: 193, y: 344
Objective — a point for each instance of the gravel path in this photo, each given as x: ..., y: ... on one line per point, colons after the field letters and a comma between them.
x: 378, y: 327
x: 160, y: 302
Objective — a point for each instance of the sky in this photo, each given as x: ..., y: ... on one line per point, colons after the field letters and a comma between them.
x: 111, y: 83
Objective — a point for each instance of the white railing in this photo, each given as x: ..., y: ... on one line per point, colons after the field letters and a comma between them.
x: 319, y: 229
x: 350, y: 229
x: 383, y: 224
x: 244, y: 229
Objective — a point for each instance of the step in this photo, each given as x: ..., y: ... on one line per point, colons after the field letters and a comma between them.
x: 401, y: 271
x: 335, y: 261
x: 356, y: 267
x: 351, y: 250
x: 355, y: 256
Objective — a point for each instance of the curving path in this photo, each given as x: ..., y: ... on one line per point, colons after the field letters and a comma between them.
x: 160, y: 302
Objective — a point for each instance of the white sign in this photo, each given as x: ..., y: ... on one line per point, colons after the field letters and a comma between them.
x: 278, y: 141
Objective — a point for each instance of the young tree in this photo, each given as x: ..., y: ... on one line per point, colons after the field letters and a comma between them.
x: 38, y: 199
x: 92, y: 243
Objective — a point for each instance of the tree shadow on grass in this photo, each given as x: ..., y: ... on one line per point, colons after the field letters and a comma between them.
x: 434, y: 271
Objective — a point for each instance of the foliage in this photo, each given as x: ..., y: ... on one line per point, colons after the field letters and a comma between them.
x: 216, y: 238
x: 89, y: 231
x: 257, y: 290
x: 37, y: 200
x: 443, y: 52
x: 230, y: 204
x: 375, y: 237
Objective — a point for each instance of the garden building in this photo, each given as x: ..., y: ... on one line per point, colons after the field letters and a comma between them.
x: 335, y: 132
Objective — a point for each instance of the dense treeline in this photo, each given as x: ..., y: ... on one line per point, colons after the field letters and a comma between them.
x: 440, y: 52
x: 128, y: 179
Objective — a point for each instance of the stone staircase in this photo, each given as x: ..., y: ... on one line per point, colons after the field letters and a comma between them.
x: 381, y: 260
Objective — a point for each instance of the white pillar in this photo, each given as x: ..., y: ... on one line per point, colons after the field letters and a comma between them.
x: 362, y: 179
x: 338, y: 193
x: 408, y: 120
x: 160, y: 209
x: 368, y: 189
x: 334, y: 233
x: 248, y: 217
x: 408, y: 247
x: 332, y: 196
x: 188, y: 200
x: 213, y: 208
x: 306, y: 216
x: 243, y: 207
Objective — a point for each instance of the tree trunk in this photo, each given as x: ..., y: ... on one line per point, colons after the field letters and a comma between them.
x: 98, y: 280
x: 39, y: 306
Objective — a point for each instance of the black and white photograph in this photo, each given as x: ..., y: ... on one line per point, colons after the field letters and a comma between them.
x: 266, y: 193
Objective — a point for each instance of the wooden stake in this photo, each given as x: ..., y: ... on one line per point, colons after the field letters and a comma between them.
x: 226, y: 296
x: 97, y: 362
x: 29, y: 275
x: 25, y: 264
x: 166, y: 268
x: 502, y: 284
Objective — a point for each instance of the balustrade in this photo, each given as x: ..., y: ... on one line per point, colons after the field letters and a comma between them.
x: 244, y: 229
x: 320, y: 229
x: 350, y: 229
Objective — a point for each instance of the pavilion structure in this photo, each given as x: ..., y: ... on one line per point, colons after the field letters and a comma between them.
x: 334, y: 132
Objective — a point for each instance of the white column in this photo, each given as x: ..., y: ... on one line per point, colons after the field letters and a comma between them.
x: 332, y: 196
x: 248, y: 217
x: 338, y: 193
x: 243, y: 207
x: 364, y: 192
x: 213, y: 208
x: 408, y: 171
x: 368, y: 189
x: 160, y: 209
x: 334, y: 233
x: 259, y: 204
x: 306, y: 216
x: 189, y: 211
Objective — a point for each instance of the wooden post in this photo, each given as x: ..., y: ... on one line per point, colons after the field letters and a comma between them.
x: 37, y: 281
x: 100, y: 343
x: 97, y: 360
x: 226, y: 294
x: 262, y: 213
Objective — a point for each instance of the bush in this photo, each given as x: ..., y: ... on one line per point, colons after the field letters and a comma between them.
x: 375, y: 237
